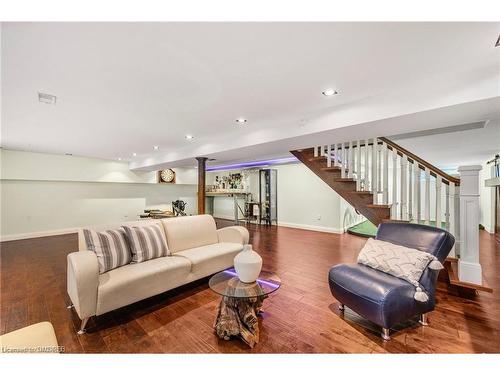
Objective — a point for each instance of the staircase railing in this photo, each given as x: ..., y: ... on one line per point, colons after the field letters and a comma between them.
x: 416, y: 190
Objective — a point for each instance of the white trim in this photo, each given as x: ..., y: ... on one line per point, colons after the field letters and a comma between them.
x: 315, y: 228
x: 47, y: 233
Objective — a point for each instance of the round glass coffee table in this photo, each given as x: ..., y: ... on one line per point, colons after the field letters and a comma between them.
x: 241, y: 303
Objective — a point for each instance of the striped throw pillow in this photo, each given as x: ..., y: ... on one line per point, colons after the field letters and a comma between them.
x: 146, y: 242
x: 110, y: 246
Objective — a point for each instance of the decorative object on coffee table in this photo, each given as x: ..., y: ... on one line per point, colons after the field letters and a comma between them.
x: 241, y: 303
x: 248, y: 264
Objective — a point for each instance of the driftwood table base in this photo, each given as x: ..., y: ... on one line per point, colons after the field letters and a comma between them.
x: 237, y: 316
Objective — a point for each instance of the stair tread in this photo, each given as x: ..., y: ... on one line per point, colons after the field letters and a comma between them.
x: 362, y: 192
x: 332, y: 168
x: 344, y: 179
x: 316, y: 158
x: 379, y: 205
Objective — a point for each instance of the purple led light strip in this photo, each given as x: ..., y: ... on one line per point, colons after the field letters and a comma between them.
x: 271, y: 284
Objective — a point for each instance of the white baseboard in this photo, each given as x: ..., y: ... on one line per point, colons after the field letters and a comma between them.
x: 23, y: 236
x: 315, y: 228
x: 57, y: 232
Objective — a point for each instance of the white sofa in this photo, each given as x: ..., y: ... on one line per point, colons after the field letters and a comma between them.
x: 197, y: 250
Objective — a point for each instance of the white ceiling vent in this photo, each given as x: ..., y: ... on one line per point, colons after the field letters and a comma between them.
x: 47, y: 98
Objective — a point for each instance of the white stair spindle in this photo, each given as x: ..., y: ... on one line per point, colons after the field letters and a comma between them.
x: 316, y: 151
x: 379, y: 166
x: 394, y: 207
x: 404, y: 163
x: 410, y: 191
x: 367, y: 165
x: 322, y: 151
x: 416, y: 193
x: 385, y: 188
x: 335, y: 155
x: 342, y: 161
x: 350, y: 161
x: 329, y: 155
x: 427, y: 203
x: 358, y: 166
x: 438, y: 201
x: 447, y: 207
x: 374, y: 184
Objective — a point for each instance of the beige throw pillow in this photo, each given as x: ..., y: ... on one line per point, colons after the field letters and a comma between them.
x: 399, y: 261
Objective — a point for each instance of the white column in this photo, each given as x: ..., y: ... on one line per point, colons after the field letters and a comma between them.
x: 469, y: 269
x: 329, y: 155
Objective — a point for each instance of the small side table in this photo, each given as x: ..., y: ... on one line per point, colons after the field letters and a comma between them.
x: 241, y: 303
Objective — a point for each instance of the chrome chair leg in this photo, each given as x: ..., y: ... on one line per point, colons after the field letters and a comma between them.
x: 82, y: 326
x: 385, y: 334
x: 423, y: 320
x: 341, y: 307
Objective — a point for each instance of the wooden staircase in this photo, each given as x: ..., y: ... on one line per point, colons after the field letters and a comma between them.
x: 384, y: 182
x: 345, y: 187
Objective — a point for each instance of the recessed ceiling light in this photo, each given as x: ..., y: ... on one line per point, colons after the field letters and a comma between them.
x: 329, y: 92
x: 134, y: 154
x: 119, y: 159
x: 189, y: 137
x: 156, y: 147
x: 241, y: 120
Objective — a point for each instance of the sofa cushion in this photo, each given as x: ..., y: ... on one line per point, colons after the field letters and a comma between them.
x: 188, y: 232
x: 82, y: 246
x: 209, y: 259
x: 110, y: 246
x: 146, y: 242
x: 136, y: 281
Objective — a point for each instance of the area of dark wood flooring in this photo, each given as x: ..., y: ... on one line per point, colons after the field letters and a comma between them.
x: 301, y: 317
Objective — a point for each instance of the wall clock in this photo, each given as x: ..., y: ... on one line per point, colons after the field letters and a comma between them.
x: 166, y: 176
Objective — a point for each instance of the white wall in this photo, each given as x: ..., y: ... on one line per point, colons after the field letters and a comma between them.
x: 52, y: 193
x: 304, y: 201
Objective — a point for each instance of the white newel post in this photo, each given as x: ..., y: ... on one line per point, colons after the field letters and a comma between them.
x: 469, y: 269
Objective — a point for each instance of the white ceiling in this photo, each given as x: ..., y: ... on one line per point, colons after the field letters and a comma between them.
x: 124, y: 87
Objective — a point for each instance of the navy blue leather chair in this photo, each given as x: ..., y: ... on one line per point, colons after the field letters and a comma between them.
x: 384, y: 299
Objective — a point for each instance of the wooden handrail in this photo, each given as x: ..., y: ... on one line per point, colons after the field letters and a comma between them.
x: 422, y: 164
x: 412, y: 158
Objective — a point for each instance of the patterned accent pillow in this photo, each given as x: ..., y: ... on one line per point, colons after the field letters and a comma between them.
x: 146, y: 242
x: 400, y: 261
x: 110, y: 246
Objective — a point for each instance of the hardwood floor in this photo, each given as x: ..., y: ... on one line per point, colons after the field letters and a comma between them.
x: 301, y: 317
